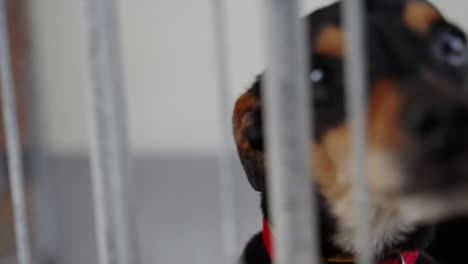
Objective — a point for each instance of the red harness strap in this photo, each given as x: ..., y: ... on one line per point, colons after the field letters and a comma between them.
x: 267, y: 239
x: 406, y: 257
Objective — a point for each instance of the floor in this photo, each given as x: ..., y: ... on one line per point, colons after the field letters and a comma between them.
x: 178, y: 210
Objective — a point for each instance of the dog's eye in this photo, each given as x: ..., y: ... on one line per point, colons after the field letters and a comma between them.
x: 452, y: 48
x: 317, y: 77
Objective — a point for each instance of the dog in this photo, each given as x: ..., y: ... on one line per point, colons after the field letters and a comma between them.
x: 417, y: 125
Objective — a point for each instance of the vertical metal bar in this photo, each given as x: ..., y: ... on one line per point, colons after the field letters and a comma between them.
x: 287, y: 102
x: 15, y: 166
x: 44, y: 201
x: 228, y: 216
x: 110, y: 166
x: 46, y: 217
x: 356, y: 107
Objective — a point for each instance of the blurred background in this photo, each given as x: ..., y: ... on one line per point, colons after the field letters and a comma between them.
x: 174, y: 128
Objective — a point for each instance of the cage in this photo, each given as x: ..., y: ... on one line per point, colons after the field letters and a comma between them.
x: 117, y: 140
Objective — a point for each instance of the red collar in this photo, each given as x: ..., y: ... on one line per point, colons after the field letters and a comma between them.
x: 406, y: 257
x: 267, y: 238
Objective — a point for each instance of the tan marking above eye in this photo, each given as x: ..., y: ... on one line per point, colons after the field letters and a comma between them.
x: 419, y: 16
x: 330, y: 42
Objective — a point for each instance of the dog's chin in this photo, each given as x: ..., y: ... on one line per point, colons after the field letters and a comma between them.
x: 430, y: 208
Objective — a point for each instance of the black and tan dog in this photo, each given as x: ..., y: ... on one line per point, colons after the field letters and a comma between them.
x: 417, y: 127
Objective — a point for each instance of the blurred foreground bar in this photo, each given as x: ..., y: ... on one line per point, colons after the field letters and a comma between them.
x: 288, y: 134
x: 14, y: 156
x: 110, y: 166
x: 356, y: 88
x: 225, y: 157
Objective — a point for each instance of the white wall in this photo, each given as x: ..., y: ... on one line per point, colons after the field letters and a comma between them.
x: 169, y: 65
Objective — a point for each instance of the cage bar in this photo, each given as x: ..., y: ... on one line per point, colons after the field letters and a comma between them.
x: 356, y: 108
x: 225, y: 157
x: 288, y: 130
x: 110, y: 166
x: 12, y: 138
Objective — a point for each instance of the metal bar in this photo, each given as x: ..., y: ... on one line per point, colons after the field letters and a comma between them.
x: 225, y: 156
x: 15, y: 166
x: 110, y: 166
x: 356, y: 107
x: 48, y: 242
x: 287, y: 105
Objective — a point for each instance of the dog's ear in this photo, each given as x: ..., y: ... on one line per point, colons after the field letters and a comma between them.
x: 248, y: 134
x: 371, y: 4
x: 374, y: 4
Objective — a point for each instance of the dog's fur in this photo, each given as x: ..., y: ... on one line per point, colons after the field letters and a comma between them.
x: 417, y: 119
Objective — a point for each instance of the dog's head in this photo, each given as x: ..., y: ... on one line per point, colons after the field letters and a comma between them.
x: 417, y: 116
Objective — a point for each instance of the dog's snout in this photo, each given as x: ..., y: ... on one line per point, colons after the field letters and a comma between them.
x: 439, y: 126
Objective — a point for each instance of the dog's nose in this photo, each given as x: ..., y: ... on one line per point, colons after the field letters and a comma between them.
x: 440, y: 126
